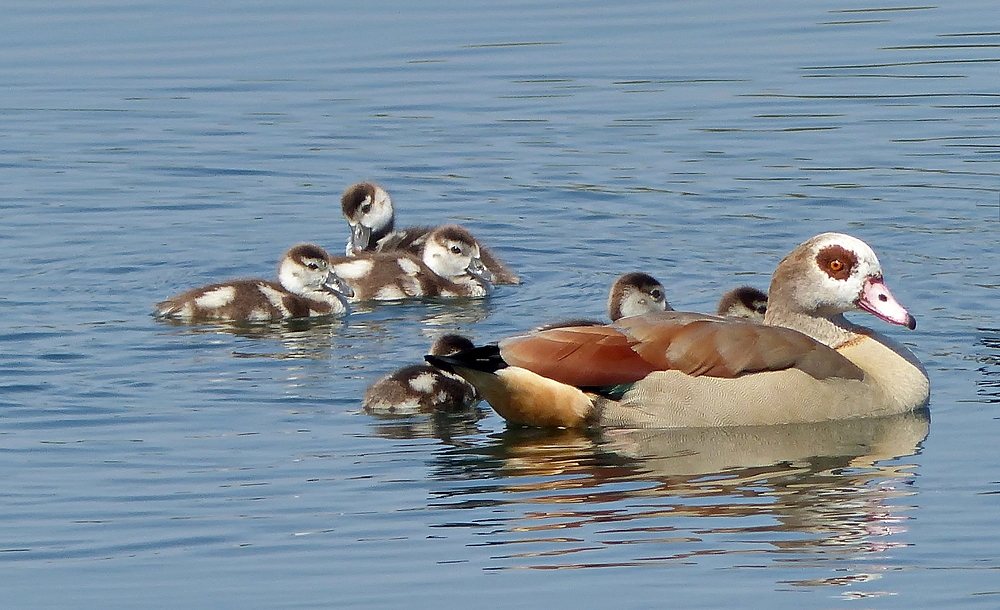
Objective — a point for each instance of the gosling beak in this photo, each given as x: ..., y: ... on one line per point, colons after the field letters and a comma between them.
x: 335, y: 284
x: 479, y: 271
x: 360, y: 237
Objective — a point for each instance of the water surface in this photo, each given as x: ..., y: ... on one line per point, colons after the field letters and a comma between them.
x: 149, y: 148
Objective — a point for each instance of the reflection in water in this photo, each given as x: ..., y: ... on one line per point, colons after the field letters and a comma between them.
x: 821, y: 496
x: 309, y: 338
x: 447, y: 427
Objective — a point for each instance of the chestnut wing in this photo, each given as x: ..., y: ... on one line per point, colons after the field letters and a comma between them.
x: 578, y: 355
x: 696, y: 344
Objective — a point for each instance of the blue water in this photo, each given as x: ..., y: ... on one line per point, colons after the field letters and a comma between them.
x: 150, y: 147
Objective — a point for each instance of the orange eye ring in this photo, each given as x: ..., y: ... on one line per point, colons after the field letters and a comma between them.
x: 836, y: 265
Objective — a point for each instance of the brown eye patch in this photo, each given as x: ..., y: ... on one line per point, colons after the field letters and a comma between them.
x: 836, y: 261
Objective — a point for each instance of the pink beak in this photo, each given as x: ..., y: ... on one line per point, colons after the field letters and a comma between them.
x: 877, y: 300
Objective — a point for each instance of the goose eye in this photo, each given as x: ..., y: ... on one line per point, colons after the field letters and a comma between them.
x: 836, y: 265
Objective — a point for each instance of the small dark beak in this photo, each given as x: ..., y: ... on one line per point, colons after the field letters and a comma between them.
x: 335, y: 284
x: 360, y: 237
x: 479, y: 271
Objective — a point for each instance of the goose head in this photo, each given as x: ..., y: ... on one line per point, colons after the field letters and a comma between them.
x: 453, y: 253
x: 634, y: 294
x: 743, y: 302
x: 826, y: 276
x: 369, y: 211
x: 306, y: 269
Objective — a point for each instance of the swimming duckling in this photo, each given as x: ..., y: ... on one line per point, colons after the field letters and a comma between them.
x: 743, y: 302
x: 369, y: 211
x: 632, y: 294
x: 307, y: 286
x: 807, y: 363
x: 422, y: 388
x: 450, y: 267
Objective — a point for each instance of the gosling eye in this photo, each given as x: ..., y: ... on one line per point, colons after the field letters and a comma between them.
x: 656, y: 294
x: 456, y: 250
x: 313, y: 266
x: 365, y: 208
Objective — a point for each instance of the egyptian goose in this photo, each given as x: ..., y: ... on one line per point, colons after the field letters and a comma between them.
x: 306, y: 287
x: 450, y: 267
x: 369, y: 211
x: 422, y: 388
x: 743, y: 302
x: 807, y: 363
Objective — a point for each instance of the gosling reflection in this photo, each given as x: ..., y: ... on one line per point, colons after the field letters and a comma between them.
x: 453, y: 429
x: 300, y: 338
x: 825, y: 491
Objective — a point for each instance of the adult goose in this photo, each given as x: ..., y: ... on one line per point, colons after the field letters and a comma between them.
x: 370, y: 213
x: 807, y: 363
x: 306, y: 287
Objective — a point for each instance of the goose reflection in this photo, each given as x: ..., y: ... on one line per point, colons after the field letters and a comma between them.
x: 798, y: 493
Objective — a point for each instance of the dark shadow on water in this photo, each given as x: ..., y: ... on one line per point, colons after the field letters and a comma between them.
x: 767, y: 496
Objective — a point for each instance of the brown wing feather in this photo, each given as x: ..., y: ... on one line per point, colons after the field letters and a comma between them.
x: 700, y: 344
x: 580, y: 356
x: 696, y: 344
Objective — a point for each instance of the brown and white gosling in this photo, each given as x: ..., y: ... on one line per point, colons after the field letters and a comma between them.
x: 743, y: 302
x: 372, y: 218
x: 632, y: 294
x: 422, y: 388
x: 306, y: 287
x: 450, y: 267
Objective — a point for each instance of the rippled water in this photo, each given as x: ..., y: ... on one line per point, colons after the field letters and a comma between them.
x: 148, y: 148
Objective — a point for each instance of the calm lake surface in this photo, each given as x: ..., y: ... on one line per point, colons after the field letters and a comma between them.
x: 150, y: 147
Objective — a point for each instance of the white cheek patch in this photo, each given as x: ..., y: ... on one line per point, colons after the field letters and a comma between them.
x: 381, y: 214
x: 355, y: 269
x: 214, y: 299
x: 424, y: 383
